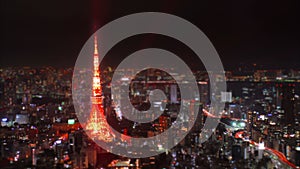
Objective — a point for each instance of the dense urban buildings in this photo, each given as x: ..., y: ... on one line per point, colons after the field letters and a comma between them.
x: 259, y: 127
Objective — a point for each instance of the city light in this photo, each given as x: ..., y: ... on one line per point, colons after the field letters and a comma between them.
x: 234, y: 124
x: 71, y: 121
x: 242, y: 124
x: 261, y: 146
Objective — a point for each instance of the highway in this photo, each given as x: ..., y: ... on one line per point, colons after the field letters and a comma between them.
x: 279, y: 156
x: 274, y: 153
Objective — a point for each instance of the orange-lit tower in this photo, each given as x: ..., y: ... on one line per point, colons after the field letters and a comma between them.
x: 97, y: 123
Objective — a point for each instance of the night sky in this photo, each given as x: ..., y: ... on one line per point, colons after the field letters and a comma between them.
x: 40, y: 32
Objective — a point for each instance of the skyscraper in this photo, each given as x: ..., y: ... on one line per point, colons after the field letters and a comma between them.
x: 288, y: 104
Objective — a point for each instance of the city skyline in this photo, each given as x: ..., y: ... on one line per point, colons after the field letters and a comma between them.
x: 137, y: 95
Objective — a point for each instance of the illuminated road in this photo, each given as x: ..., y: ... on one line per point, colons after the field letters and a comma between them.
x: 276, y: 153
x: 281, y: 157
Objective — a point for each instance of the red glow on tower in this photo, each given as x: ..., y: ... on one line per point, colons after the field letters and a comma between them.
x: 97, y: 123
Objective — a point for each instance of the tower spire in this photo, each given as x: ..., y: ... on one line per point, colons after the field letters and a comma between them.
x: 96, y: 57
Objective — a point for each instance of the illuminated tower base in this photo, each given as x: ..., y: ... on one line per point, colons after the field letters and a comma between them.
x: 98, y: 125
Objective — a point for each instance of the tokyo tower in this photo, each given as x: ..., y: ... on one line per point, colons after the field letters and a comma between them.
x: 97, y: 123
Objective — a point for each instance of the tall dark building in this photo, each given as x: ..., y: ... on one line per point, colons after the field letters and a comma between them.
x: 287, y: 95
x: 1, y: 90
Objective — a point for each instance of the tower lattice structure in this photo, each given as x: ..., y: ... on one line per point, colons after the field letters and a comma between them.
x: 97, y: 122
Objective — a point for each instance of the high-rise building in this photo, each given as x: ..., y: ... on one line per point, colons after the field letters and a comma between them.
x: 287, y: 95
x: 1, y: 90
